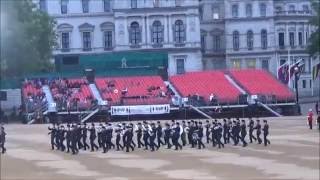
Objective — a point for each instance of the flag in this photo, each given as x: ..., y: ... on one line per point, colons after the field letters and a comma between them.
x: 300, y: 65
x: 283, y: 73
x: 315, y: 71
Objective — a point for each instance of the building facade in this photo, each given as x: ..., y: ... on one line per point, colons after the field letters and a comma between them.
x: 108, y: 26
x: 260, y: 34
x: 196, y: 34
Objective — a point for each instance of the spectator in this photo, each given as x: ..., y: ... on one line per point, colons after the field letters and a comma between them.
x: 317, y: 108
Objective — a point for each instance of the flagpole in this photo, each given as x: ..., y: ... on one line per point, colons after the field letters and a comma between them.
x: 289, y: 62
x: 311, y: 70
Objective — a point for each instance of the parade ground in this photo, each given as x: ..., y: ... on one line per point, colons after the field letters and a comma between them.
x: 293, y: 154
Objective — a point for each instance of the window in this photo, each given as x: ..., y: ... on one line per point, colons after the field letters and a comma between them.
x: 65, y: 41
x: 236, y: 63
x: 134, y: 4
x: 278, y: 9
x: 203, y: 42
x: 216, y: 12
x: 236, y: 42
x: 156, y: 3
x: 107, y: 5
x: 216, y: 42
x: 251, y: 63
x: 281, y: 39
x: 107, y: 39
x: 179, y: 32
x: 135, y: 33
x: 264, y: 39
x: 250, y: 40
x: 300, y: 38
x: 64, y: 6
x: 305, y: 8
x: 42, y: 5
x: 249, y: 10
x: 265, y: 64
x: 263, y: 10
x: 86, y: 36
x: 201, y: 13
x: 307, y: 37
x: 180, y: 66
x: 292, y: 9
x: 234, y: 10
x: 157, y: 32
x: 178, y: 2
x: 85, y: 6
x: 310, y: 83
x: 291, y: 39
x: 304, y: 84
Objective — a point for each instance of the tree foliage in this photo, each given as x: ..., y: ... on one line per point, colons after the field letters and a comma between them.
x: 27, y: 38
x: 314, y: 45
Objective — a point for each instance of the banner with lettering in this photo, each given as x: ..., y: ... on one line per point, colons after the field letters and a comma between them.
x: 140, y: 109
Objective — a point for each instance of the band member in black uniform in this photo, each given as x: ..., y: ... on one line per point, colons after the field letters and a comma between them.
x: 189, y: 135
x: 258, y: 131
x: 118, y: 138
x: 74, y: 141
x: 93, y: 137
x: 167, y: 134
x: 192, y: 129
x: 99, y: 135
x: 213, y: 133
x: 152, y: 134
x: 200, y: 136
x: 139, y: 135
x: 251, y: 128
x: 243, y: 133
x: 68, y: 138
x: 233, y: 133
x: 84, y: 136
x: 207, y: 126
x: 265, y: 133
x: 109, y: 132
x: 159, y: 134
x: 176, y: 136
x: 128, y: 135
x: 78, y: 136
x: 218, y: 131
x: 53, y: 135
x: 62, y: 138
x: 146, y: 135
x: 2, y: 139
x: 225, y: 131
x: 104, y: 139
x: 184, y: 134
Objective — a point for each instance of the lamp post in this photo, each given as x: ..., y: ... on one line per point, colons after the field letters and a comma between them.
x: 296, y: 79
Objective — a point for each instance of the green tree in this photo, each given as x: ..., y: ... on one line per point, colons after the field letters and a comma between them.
x: 27, y: 38
x: 314, y: 45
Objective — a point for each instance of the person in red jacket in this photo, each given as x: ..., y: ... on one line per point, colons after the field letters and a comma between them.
x: 310, y: 118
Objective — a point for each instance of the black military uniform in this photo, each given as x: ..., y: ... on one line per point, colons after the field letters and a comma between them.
x: 200, y: 136
x: 214, y: 134
x: 68, y: 138
x: 207, y: 126
x: 93, y: 137
x: 146, y: 136
x: 159, y: 134
x: 118, y: 138
x: 74, y: 138
x: 84, y: 137
x: 183, y: 134
x: 62, y: 138
x: 128, y: 135
x: 225, y: 131
x: 2, y: 139
x: 218, y: 131
x: 243, y: 133
x: 104, y: 139
x: 139, y: 135
x: 167, y: 134
x: 152, y: 133
x: 258, y: 131
x: 265, y: 133
x: 176, y: 136
x: 251, y: 128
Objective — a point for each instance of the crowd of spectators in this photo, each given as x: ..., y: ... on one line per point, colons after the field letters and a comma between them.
x: 34, y: 97
x: 71, y: 94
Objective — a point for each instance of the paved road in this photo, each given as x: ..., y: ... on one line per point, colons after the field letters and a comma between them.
x: 293, y: 154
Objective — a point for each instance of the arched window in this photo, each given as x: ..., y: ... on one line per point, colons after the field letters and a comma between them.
x: 264, y: 39
x: 248, y: 10
x: 263, y: 9
x: 179, y: 32
x: 234, y: 10
x: 135, y: 33
x: 250, y: 40
x: 236, y: 42
x: 157, y: 32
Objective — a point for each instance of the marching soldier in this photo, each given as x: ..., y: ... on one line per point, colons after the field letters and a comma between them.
x: 74, y: 139
x: 167, y: 134
x: 53, y: 134
x: 225, y: 131
x: 265, y: 133
x: 183, y: 134
x: 84, y: 136
x: 139, y: 135
x: 152, y: 134
x: 218, y: 131
x: 146, y: 135
x: 93, y: 137
x: 200, y: 135
x: 207, y: 126
x: 118, y: 138
x: 68, y: 138
x: 258, y: 131
x: 213, y: 133
x: 2, y: 139
x: 104, y: 139
x: 159, y: 134
x: 243, y: 132
x: 176, y: 136
x: 251, y: 128
x: 128, y: 138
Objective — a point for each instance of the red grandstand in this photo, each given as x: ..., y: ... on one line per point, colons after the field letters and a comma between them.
x: 260, y: 82
x: 204, y: 84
